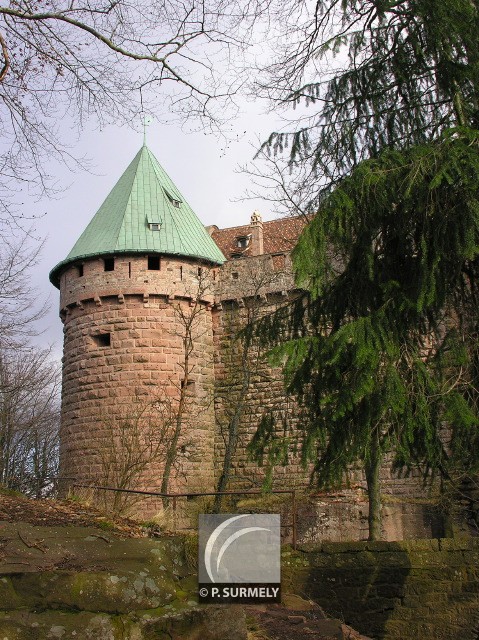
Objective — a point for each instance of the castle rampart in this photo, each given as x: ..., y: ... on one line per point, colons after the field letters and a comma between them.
x: 157, y: 371
x: 123, y: 352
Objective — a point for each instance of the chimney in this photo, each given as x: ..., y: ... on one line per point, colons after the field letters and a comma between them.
x: 256, y: 225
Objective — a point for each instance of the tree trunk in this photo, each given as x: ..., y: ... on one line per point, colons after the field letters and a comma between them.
x: 372, y: 467
x: 172, y: 450
x: 173, y: 446
x: 230, y: 449
x: 233, y: 428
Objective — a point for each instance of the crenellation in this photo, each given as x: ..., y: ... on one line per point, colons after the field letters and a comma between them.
x: 124, y: 351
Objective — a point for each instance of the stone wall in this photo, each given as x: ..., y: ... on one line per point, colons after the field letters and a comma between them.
x: 246, y: 290
x: 124, y: 366
x: 87, y: 584
x: 123, y: 369
x: 247, y: 386
x: 131, y: 276
x: 426, y: 589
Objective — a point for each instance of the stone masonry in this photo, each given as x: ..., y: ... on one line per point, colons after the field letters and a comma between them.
x: 152, y: 316
x: 123, y: 349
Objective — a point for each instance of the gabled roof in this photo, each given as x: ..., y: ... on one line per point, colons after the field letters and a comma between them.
x: 279, y: 236
x: 143, y: 197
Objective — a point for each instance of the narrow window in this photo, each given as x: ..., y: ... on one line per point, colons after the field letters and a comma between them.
x: 200, y: 272
x: 109, y: 264
x: 190, y: 386
x: 153, y: 263
x: 129, y: 269
x: 102, y: 339
x: 181, y: 273
x: 80, y: 270
x: 234, y: 275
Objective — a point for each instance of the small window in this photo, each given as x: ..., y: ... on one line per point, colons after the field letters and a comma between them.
x: 109, y: 264
x: 153, y: 263
x: 236, y: 255
x: 174, y: 201
x: 200, y: 272
x: 155, y: 226
x: 234, y: 275
x: 80, y: 270
x: 102, y: 339
x: 181, y: 273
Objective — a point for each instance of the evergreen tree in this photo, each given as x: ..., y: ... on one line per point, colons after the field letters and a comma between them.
x: 373, y: 74
x: 382, y: 351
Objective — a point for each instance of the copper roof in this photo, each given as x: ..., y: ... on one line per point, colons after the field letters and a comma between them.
x: 143, y: 213
x: 279, y: 236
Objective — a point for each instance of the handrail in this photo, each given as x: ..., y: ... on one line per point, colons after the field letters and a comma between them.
x: 174, y: 496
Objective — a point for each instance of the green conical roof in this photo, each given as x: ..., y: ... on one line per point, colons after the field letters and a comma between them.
x: 144, y: 213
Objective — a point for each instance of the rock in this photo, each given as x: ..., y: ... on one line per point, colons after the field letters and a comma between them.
x: 297, y: 619
x: 225, y: 623
x: 296, y: 603
x: 72, y: 583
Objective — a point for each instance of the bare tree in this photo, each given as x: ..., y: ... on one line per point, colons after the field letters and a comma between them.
x: 135, y: 442
x: 29, y: 420
x: 29, y: 381
x: 244, y: 357
x: 190, y: 329
x: 18, y: 308
x: 109, y: 59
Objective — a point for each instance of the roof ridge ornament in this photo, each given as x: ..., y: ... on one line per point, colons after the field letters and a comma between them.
x: 147, y: 120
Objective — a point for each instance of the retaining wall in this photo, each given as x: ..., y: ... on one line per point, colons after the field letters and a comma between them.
x: 427, y: 589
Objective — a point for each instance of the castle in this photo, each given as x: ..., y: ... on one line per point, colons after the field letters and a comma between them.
x: 153, y: 376
x: 143, y: 268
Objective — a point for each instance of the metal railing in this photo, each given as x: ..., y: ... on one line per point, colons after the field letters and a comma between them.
x: 175, y: 496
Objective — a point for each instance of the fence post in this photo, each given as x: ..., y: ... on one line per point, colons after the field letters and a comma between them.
x: 293, y: 507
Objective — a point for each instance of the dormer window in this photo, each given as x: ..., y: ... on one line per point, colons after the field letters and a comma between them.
x: 242, y: 242
x: 174, y: 201
x: 154, y: 226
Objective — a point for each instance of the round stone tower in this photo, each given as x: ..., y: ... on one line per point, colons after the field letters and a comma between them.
x: 136, y: 293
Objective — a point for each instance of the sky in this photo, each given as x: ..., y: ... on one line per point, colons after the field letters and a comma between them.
x: 204, y: 168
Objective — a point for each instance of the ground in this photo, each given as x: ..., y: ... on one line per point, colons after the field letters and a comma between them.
x: 296, y: 618
x: 23, y: 521
x: 63, y: 513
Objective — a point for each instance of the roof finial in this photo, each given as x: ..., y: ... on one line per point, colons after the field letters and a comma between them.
x: 256, y: 217
x: 146, y: 121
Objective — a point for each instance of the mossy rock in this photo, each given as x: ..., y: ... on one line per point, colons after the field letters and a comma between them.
x: 193, y: 623
x: 112, y: 592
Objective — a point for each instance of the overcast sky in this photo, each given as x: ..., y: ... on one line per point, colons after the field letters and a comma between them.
x: 203, y: 168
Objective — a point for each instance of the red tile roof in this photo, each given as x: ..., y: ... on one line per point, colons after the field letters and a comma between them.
x: 279, y: 236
